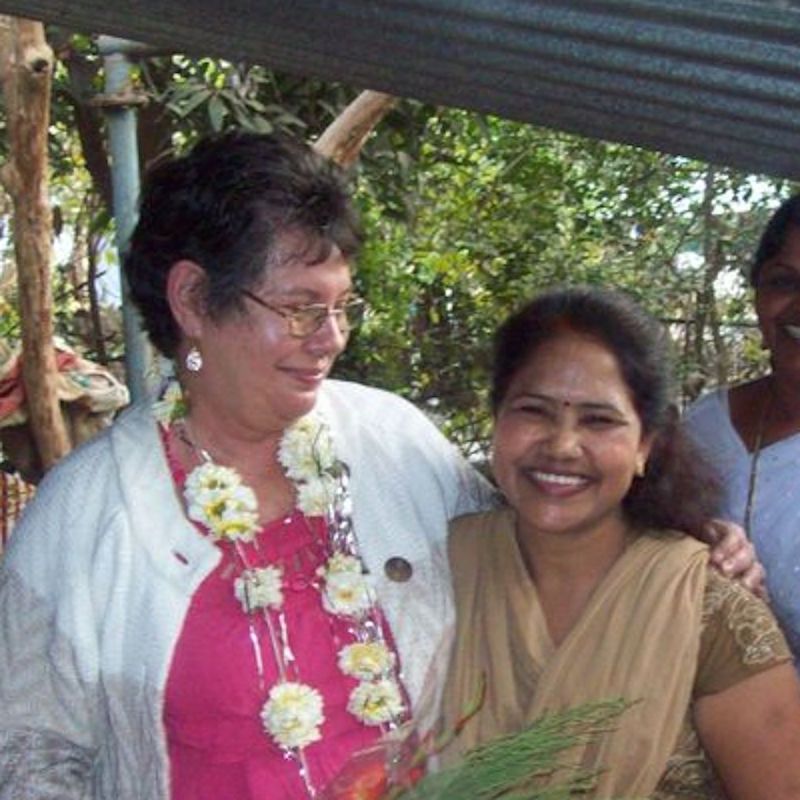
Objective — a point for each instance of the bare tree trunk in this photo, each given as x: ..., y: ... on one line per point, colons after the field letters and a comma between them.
x: 707, y: 315
x: 27, y: 77
x: 343, y: 139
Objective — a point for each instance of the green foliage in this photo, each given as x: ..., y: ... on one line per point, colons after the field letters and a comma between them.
x: 203, y: 95
x: 513, y: 766
x: 229, y: 94
x: 496, y: 211
x: 466, y: 217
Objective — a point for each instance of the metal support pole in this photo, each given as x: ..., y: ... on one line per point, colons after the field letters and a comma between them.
x: 119, y: 104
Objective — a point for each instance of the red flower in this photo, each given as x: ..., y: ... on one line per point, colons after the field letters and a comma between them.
x: 369, y: 785
x: 364, y: 778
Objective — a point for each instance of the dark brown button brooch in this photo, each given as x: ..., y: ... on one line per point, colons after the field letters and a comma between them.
x: 398, y: 569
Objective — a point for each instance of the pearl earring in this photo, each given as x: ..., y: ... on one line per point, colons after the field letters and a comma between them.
x: 194, y: 359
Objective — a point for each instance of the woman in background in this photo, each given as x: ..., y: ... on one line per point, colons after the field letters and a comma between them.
x: 751, y: 432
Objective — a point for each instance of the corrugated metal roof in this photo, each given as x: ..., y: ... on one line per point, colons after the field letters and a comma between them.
x: 717, y: 80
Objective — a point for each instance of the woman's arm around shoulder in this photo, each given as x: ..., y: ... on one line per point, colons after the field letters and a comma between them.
x: 751, y: 732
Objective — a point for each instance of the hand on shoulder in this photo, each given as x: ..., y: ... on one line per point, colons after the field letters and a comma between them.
x: 735, y: 557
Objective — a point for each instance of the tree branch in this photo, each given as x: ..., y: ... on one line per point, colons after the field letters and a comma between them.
x: 343, y: 139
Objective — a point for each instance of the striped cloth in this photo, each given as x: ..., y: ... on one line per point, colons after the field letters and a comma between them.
x: 14, y: 493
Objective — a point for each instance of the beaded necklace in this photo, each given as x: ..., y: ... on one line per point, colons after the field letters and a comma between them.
x: 217, y: 498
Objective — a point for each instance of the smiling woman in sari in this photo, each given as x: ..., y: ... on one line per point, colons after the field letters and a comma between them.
x: 591, y: 583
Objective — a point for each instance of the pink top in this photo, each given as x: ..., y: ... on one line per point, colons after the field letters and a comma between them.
x: 218, y: 749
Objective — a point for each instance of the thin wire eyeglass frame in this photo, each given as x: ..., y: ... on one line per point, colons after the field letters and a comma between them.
x: 305, y: 321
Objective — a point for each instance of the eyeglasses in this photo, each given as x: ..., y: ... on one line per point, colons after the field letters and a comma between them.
x: 303, y: 321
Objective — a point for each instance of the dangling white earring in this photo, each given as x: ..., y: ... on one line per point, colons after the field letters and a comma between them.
x: 194, y: 359
x: 640, y: 467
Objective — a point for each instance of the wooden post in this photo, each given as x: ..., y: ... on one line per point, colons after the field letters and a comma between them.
x: 26, y: 77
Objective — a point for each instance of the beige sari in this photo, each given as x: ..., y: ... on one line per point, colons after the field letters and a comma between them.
x: 638, y: 638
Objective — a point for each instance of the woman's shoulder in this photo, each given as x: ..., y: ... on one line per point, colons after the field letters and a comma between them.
x: 366, y: 401
x: 708, y: 423
x: 483, y: 523
x: 90, y: 463
x: 83, y: 484
x: 727, y: 403
x: 57, y: 528
x: 81, y: 464
x: 381, y: 421
x: 740, y: 636
x: 469, y: 534
x: 708, y: 405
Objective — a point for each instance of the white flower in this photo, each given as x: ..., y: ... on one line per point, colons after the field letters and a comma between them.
x: 260, y: 588
x: 217, y: 498
x: 209, y: 477
x: 347, y: 594
x: 227, y: 515
x: 366, y: 660
x: 293, y: 714
x: 315, y: 497
x: 376, y: 702
x: 306, y: 449
x: 212, y: 504
x: 171, y: 405
x: 341, y: 562
x: 236, y: 525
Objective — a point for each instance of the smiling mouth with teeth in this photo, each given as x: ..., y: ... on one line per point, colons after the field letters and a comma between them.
x: 553, y: 477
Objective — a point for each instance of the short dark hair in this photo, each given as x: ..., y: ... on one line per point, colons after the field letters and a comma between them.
x: 783, y: 221
x: 229, y: 205
x: 679, y: 489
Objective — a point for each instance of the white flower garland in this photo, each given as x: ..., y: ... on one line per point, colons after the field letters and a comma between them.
x: 171, y: 405
x: 259, y: 588
x: 376, y: 702
x: 366, y: 660
x: 217, y: 498
x: 293, y: 714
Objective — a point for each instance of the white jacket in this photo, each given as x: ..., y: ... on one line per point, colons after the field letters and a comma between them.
x: 100, y: 571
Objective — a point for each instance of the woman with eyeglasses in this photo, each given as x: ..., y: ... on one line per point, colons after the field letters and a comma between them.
x: 751, y: 432
x: 186, y: 610
x: 232, y: 590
